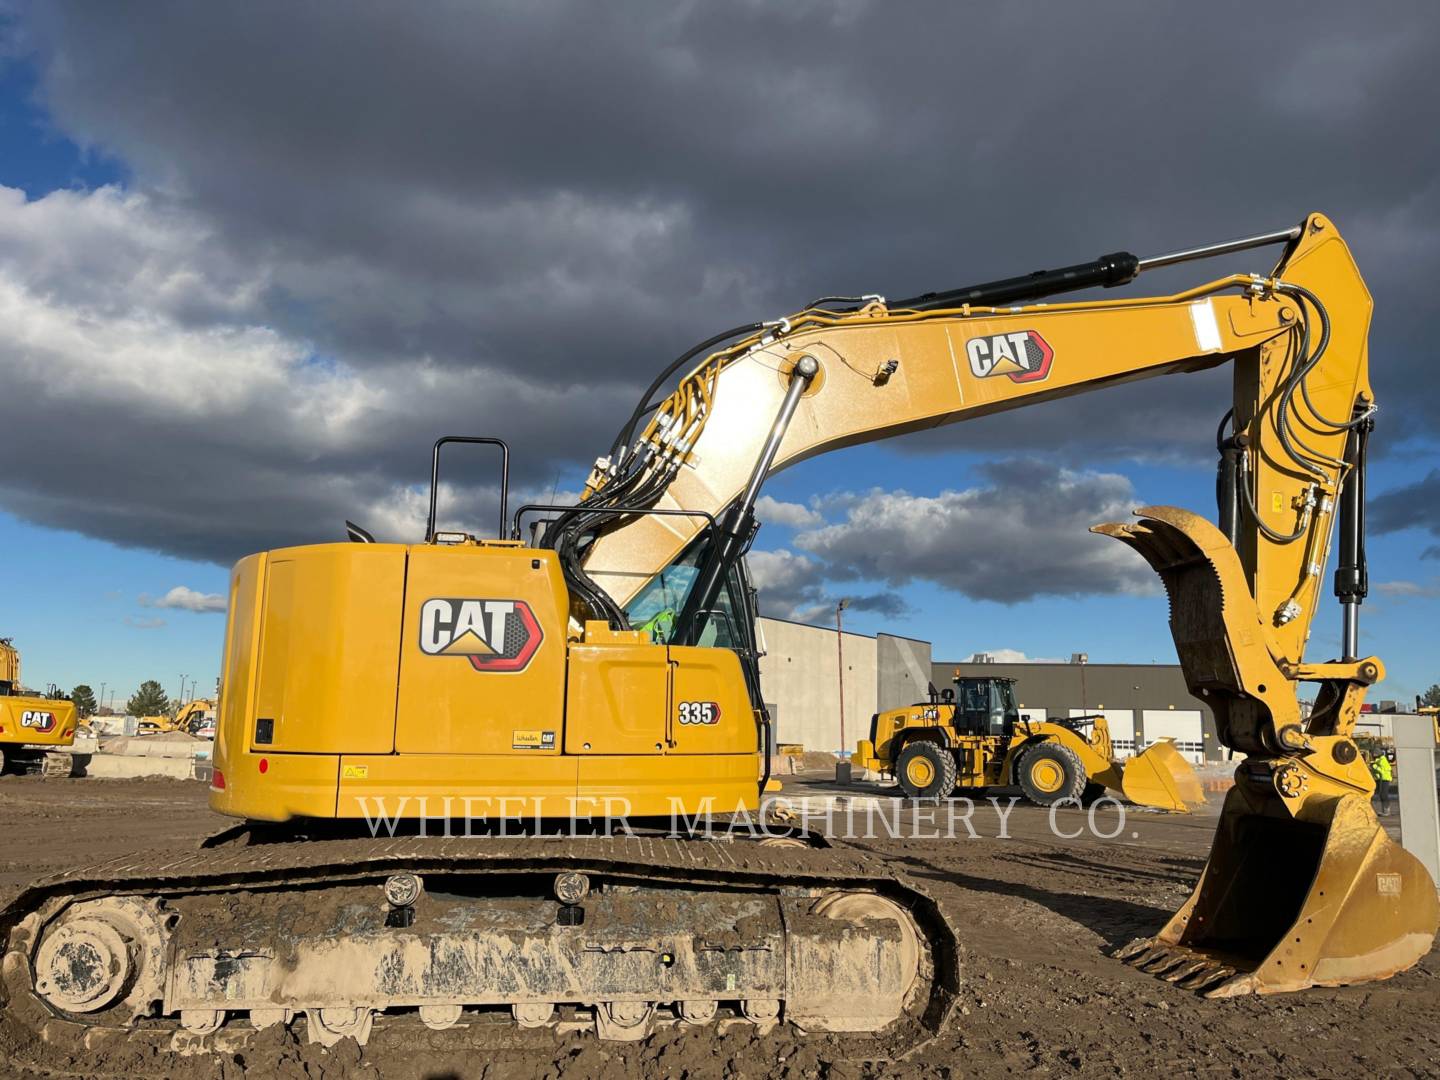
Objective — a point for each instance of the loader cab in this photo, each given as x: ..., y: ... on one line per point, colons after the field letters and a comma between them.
x: 985, y: 706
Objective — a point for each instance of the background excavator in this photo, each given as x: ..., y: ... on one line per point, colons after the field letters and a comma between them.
x: 608, y: 670
x: 187, y: 718
x: 974, y: 737
x: 33, y: 727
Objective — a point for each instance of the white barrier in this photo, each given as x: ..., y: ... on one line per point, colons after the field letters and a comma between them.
x: 1419, y: 806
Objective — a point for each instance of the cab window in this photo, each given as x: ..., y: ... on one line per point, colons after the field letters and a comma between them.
x: 656, y: 606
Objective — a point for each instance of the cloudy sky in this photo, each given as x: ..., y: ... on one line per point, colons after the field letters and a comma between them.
x: 255, y: 257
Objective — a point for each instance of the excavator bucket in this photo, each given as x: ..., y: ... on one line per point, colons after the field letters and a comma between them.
x: 1326, y: 898
x: 1303, y: 886
x: 1160, y: 777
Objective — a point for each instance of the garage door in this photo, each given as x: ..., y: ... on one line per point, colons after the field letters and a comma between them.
x: 1122, y: 728
x: 1184, y: 726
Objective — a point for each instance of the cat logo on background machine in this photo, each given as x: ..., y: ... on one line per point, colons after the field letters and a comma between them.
x: 494, y: 635
x: 38, y: 720
x: 1023, y: 356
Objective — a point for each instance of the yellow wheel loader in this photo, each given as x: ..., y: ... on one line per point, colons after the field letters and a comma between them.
x: 606, y: 671
x: 975, y: 738
x: 33, y: 727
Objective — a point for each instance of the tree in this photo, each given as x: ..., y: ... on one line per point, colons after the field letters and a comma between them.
x: 84, y: 699
x: 149, y: 700
x: 1431, y: 697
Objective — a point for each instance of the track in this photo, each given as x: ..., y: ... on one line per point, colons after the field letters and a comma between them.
x: 705, y: 886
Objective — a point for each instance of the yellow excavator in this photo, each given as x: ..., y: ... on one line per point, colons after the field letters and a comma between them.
x: 33, y: 727
x: 974, y: 738
x: 606, y: 671
x: 187, y: 718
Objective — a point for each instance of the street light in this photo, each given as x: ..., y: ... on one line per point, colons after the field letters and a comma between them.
x: 840, y: 657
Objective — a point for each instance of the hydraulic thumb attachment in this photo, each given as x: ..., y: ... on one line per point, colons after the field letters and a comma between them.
x: 1303, y: 887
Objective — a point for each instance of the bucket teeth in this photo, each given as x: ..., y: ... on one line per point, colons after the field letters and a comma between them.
x: 1135, y: 948
x: 1162, y: 962
x: 1231, y: 985
x: 1183, y: 974
x: 1179, y: 966
x: 1212, y: 976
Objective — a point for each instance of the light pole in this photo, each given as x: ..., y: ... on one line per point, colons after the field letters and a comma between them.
x: 840, y: 658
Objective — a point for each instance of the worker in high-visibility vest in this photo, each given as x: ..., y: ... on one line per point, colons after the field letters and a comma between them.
x: 1384, y: 775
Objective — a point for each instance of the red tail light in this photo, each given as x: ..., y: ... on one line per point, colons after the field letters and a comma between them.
x: 217, y: 780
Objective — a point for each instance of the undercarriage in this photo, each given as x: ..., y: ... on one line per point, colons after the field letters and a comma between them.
x: 616, y: 934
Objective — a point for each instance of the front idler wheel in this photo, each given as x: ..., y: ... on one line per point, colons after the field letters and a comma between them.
x: 102, y: 954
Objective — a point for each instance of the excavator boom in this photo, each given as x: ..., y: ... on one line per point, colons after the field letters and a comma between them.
x: 1243, y: 595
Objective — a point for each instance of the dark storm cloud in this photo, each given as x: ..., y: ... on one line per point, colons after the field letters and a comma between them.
x: 793, y: 587
x: 504, y: 218
x: 1414, y: 506
x: 1024, y: 533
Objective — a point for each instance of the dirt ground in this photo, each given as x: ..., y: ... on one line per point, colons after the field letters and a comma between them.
x: 1037, y: 916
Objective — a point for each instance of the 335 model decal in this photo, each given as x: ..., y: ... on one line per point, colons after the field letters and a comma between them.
x: 699, y: 712
x: 494, y: 635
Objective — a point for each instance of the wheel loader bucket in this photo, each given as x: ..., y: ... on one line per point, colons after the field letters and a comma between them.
x: 1160, y: 777
x: 1323, y: 897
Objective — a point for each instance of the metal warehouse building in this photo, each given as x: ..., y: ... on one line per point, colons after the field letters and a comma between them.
x: 806, y: 667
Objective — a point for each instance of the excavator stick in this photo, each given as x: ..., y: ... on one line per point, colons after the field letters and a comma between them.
x: 1160, y: 777
x: 1303, y: 887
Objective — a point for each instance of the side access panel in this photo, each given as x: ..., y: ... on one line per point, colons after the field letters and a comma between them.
x: 329, y: 637
x: 617, y: 698
x: 482, y: 652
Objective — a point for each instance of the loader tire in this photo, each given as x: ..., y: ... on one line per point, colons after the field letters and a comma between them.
x: 1050, y: 773
x: 926, y: 770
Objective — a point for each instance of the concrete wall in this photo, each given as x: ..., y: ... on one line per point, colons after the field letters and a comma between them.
x: 1074, y: 689
x: 799, y: 674
x: 904, y: 671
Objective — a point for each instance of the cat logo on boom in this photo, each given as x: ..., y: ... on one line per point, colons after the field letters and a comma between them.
x: 494, y: 635
x: 1023, y: 356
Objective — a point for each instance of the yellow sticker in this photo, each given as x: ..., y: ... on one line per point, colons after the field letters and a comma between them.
x: 1277, y: 502
x: 354, y: 772
x: 532, y: 740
